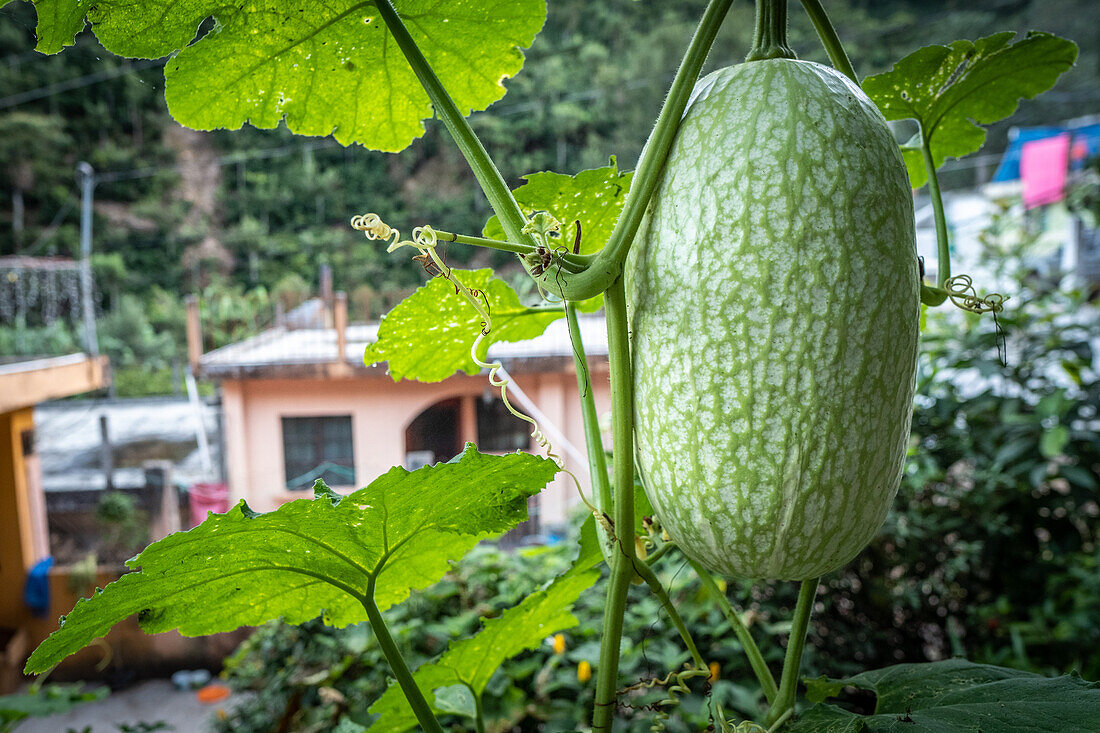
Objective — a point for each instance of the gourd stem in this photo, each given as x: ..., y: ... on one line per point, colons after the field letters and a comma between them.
x: 654, y: 583
x: 756, y: 659
x: 593, y: 443
x: 488, y: 177
x: 943, y: 251
x: 829, y: 39
x: 608, y: 264
x: 622, y: 560
x: 770, y: 39
x: 479, y: 712
x: 788, y: 683
x: 575, y: 262
x: 420, y: 706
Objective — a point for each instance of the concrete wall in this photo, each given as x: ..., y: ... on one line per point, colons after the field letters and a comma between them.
x: 381, y: 410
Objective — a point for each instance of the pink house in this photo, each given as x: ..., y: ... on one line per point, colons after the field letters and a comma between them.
x: 299, y: 404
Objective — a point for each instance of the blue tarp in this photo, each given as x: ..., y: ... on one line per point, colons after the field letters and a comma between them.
x: 36, y: 592
x: 1009, y: 167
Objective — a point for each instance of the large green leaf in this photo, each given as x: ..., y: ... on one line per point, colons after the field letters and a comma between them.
x: 593, y: 197
x: 956, y: 696
x: 953, y: 90
x: 310, y: 556
x: 471, y: 662
x: 326, y: 68
x: 428, y: 335
x: 58, y: 22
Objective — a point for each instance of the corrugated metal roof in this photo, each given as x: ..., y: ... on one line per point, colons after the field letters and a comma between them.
x: 68, y: 442
x: 280, y: 347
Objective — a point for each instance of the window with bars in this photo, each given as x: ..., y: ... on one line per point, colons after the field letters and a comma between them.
x: 318, y: 448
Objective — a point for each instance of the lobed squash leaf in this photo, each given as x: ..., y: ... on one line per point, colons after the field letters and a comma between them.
x: 326, y: 68
x: 310, y: 557
x: 58, y: 23
x: 468, y: 664
x: 953, y: 90
x: 428, y: 335
x: 594, y: 197
x: 956, y: 695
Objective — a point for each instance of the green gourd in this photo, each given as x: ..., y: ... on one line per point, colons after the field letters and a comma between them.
x: 774, y: 305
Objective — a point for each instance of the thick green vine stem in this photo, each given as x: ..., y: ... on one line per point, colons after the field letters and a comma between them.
x: 756, y: 659
x: 485, y: 171
x: 829, y: 39
x: 622, y: 561
x: 932, y: 296
x: 400, y: 669
x: 788, y: 683
x: 593, y: 443
x: 608, y: 264
x: 770, y: 40
x: 943, y: 250
x: 479, y: 711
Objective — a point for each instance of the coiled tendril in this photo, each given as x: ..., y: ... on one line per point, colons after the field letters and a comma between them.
x: 960, y: 289
x: 374, y: 228
x: 424, y: 239
x: 676, y: 684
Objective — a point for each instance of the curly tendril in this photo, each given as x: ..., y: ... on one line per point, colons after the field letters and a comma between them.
x: 374, y: 228
x: 425, y: 239
x: 960, y: 289
x: 676, y: 684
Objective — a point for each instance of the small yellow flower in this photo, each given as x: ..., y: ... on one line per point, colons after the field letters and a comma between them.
x: 715, y: 668
x: 559, y: 643
x: 584, y: 671
x: 721, y: 585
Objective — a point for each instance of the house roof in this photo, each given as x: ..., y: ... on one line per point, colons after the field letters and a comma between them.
x: 284, y: 351
x: 26, y: 382
x: 69, y: 443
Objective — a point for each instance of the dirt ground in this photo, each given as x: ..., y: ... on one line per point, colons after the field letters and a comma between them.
x: 145, y: 702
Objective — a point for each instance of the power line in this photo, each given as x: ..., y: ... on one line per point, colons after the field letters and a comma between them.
x: 30, y: 95
x: 220, y: 161
x: 137, y: 173
x: 51, y: 228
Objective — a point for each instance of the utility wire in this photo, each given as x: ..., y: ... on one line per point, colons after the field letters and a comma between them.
x: 14, y: 100
x: 220, y: 161
x: 127, y: 175
x: 51, y: 228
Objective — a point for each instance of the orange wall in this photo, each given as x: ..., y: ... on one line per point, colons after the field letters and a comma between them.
x: 381, y: 409
x: 125, y: 646
x: 23, y: 539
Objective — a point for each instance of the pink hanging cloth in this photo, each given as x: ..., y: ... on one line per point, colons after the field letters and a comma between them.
x: 1043, y: 166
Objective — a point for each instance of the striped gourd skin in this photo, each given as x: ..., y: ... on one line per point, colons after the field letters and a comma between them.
x: 774, y: 299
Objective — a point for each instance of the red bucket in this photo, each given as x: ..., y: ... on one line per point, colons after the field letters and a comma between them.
x: 207, y: 498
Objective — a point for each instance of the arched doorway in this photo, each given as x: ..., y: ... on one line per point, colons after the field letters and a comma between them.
x: 433, y: 435
x: 437, y: 434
